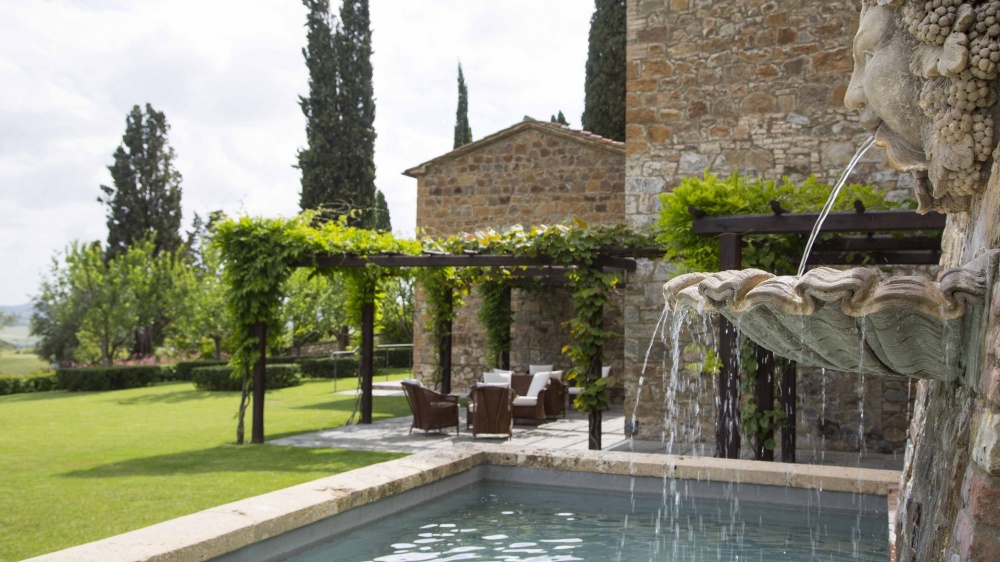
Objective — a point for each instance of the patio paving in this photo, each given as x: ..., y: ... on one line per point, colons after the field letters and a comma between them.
x: 562, y: 433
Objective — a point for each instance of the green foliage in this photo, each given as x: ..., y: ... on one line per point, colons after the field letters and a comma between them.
x: 33, y: 383
x: 145, y: 202
x: 463, y: 132
x: 315, y: 306
x: 7, y: 319
x: 330, y: 367
x: 738, y: 195
x: 443, y: 288
x: 94, y: 379
x: 199, y: 300
x: 394, y: 357
x: 397, y: 309
x: 604, y: 85
x: 221, y: 377
x: 561, y: 119
x: 495, y: 313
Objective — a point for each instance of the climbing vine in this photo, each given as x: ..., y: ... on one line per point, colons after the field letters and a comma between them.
x: 495, y: 313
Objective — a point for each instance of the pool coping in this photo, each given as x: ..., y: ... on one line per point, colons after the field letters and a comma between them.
x: 226, y: 528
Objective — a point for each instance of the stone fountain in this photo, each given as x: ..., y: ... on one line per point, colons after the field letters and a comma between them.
x: 925, y: 81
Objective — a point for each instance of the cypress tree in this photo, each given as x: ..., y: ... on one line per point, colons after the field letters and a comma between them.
x: 145, y: 200
x: 320, y: 161
x: 463, y: 132
x: 604, y: 88
x: 338, y: 167
x: 561, y: 119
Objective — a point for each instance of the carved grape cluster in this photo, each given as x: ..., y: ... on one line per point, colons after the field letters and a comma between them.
x: 960, y: 100
x: 931, y: 21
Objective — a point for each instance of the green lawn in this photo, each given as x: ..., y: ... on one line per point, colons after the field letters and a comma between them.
x: 83, y: 466
x: 20, y: 363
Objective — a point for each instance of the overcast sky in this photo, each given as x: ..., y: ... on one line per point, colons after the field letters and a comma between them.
x: 228, y: 74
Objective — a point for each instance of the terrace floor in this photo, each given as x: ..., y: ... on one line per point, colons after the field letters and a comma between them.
x: 562, y: 433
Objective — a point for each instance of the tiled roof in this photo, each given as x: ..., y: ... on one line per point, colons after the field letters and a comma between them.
x: 527, y: 123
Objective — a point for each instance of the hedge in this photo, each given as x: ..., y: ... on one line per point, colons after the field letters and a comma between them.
x: 330, y: 367
x: 32, y: 383
x: 394, y: 357
x: 182, y: 369
x: 107, y: 378
x: 221, y: 377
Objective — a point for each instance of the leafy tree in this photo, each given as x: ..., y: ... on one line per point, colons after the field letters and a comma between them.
x: 53, y: 319
x: 145, y: 200
x: 604, y: 87
x: 199, y: 297
x: 7, y: 318
x: 561, y: 119
x: 463, y: 132
x: 338, y: 167
x: 397, y: 311
x: 315, y: 307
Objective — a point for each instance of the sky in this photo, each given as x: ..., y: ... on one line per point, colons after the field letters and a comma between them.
x: 228, y: 75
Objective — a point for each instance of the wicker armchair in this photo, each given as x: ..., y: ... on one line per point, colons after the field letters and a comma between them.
x: 490, y: 410
x: 555, y: 395
x: 431, y: 410
x: 530, y: 400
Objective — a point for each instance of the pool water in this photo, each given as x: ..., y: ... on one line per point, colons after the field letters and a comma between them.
x: 503, y: 522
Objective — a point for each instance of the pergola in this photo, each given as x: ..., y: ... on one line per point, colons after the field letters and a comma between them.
x: 607, y: 260
x: 881, y: 248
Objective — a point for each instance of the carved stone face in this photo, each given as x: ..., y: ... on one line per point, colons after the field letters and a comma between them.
x: 926, y: 83
x: 885, y: 91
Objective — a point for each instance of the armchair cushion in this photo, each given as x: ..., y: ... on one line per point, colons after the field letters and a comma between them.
x: 493, y: 377
x: 532, y: 369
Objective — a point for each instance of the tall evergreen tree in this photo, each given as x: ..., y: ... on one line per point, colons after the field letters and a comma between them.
x: 338, y: 167
x: 320, y: 161
x: 604, y: 88
x: 561, y: 119
x: 463, y: 132
x: 146, y: 198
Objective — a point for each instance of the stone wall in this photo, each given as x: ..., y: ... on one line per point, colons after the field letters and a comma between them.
x: 532, y: 173
x: 750, y: 85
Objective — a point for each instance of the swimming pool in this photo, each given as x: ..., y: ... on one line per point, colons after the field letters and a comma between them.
x: 489, y: 513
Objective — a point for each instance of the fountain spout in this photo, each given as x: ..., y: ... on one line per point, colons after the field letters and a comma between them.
x: 854, y: 320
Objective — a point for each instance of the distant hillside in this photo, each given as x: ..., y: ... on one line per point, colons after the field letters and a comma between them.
x: 22, y: 311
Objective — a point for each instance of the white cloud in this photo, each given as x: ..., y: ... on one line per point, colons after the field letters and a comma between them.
x: 228, y: 74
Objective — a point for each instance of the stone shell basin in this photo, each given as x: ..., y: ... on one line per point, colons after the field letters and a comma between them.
x: 852, y: 320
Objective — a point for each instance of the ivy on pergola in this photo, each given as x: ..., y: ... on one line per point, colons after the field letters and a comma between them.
x: 260, y: 254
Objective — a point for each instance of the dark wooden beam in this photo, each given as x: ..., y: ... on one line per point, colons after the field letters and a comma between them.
x: 802, y: 223
x: 878, y: 243
x: 927, y: 257
x: 610, y: 262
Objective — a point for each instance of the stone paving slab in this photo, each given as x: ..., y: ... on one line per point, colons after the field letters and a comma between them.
x: 394, y: 435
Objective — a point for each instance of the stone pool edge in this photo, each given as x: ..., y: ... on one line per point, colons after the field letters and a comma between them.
x: 219, y: 530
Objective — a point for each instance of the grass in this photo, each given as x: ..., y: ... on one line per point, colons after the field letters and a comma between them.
x: 83, y: 466
x: 20, y: 363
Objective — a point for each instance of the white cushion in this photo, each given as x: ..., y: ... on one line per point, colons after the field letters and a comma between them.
x: 526, y: 401
x: 411, y: 381
x: 503, y: 371
x: 605, y: 371
x: 538, y: 383
x: 574, y: 390
x: 497, y: 378
x: 496, y: 384
x: 556, y: 375
x: 532, y: 369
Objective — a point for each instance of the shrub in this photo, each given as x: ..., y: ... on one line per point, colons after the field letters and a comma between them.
x: 221, y: 377
x: 182, y: 369
x: 330, y: 367
x: 40, y: 382
x: 394, y: 357
x: 107, y: 378
x: 282, y: 360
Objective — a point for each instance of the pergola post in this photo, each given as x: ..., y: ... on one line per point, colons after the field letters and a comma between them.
x: 259, y: 381
x: 444, y: 344
x: 596, y: 417
x: 788, y: 399
x: 505, y: 354
x: 727, y: 425
x: 764, y: 396
x: 367, y: 359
